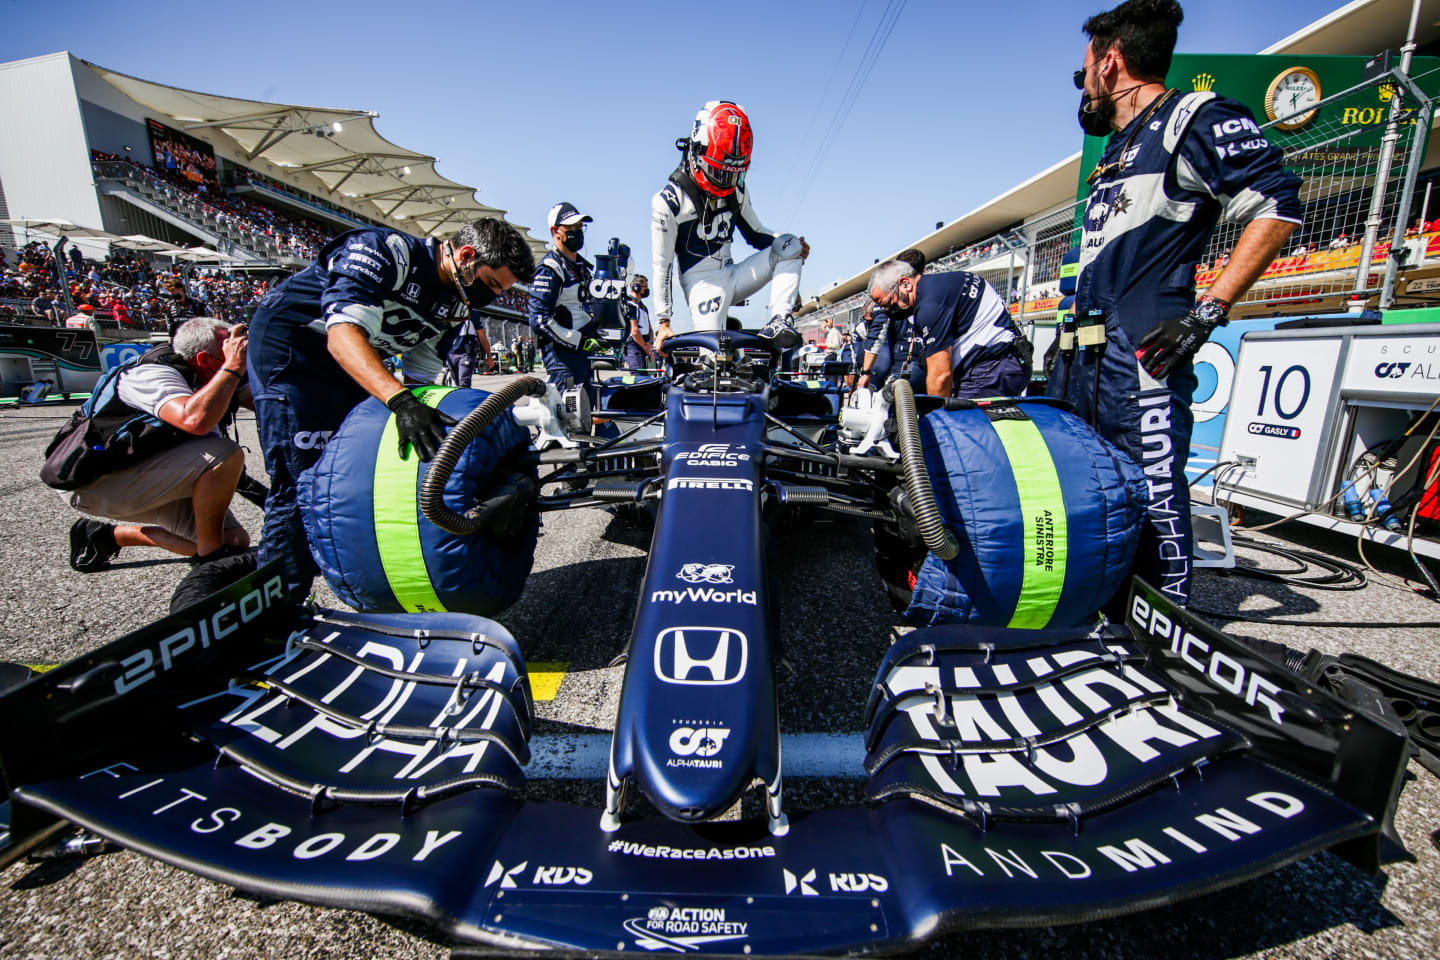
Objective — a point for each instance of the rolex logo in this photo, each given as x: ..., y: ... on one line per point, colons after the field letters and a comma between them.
x: 1203, y: 82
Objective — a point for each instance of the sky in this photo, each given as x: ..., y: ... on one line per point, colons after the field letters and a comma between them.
x: 873, y: 119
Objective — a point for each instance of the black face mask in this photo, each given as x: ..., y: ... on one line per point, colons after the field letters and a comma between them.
x: 1096, y: 121
x: 895, y: 311
x: 574, y: 240
x: 479, y: 294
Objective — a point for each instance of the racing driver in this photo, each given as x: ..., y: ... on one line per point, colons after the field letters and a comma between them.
x: 693, y: 218
x: 317, y: 340
x: 1176, y: 163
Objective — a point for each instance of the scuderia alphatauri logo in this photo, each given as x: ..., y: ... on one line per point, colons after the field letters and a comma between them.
x: 696, y: 744
x: 713, y: 455
x: 685, y: 929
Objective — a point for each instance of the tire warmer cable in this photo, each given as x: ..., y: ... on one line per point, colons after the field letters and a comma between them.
x: 432, y: 488
x: 939, y: 540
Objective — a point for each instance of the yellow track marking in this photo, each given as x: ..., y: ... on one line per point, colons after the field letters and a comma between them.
x: 545, y: 678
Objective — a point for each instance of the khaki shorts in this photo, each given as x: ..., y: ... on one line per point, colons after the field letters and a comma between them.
x: 156, y: 491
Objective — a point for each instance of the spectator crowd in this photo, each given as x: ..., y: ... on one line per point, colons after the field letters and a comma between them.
x: 292, y: 235
x: 123, y: 291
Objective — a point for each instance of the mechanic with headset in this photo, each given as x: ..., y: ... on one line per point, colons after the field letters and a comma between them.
x: 693, y: 218
x: 559, y: 310
x: 1177, y: 163
x: 970, y: 345
x: 318, y: 338
x: 638, y: 351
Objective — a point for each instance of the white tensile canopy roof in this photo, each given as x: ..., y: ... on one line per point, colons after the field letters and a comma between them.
x: 340, y: 148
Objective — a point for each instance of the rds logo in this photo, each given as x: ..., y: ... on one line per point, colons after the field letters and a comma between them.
x: 1392, y: 370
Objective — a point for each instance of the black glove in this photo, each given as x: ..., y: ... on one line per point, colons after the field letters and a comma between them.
x: 419, y: 426
x: 1171, y: 343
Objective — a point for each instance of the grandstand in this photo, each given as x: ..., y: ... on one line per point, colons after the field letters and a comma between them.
x: 153, y: 171
x: 1015, y: 241
x: 264, y: 184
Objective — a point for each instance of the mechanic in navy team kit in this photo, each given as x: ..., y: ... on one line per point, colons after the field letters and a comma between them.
x: 638, y: 351
x: 1177, y: 163
x: 692, y: 219
x: 317, y: 342
x: 960, y: 326
x: 560, y: 302
x: 877, y: 331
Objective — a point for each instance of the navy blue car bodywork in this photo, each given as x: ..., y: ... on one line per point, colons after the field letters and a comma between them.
x: 1013, y: 777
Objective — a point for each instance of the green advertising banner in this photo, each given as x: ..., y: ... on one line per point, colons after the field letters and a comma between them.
x: 1340, y: 135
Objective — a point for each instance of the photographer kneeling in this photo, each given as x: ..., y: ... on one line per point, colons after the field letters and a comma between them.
x: 167, y: 476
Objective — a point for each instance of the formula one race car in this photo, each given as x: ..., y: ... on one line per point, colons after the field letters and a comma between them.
x: 1026, y: 762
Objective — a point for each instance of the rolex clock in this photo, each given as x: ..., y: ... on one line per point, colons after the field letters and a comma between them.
x: 1293, y: 96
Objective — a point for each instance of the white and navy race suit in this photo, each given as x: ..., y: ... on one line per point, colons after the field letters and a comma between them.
x: 382, y: 281
x: 559, y: 312
x: 1197, y: 158
x: 689, y: 225
x: 960, y: 312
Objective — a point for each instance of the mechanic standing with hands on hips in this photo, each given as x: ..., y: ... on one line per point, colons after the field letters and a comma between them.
x: 559, y: 305
x: 1176, y: 163
x: 317, y: 339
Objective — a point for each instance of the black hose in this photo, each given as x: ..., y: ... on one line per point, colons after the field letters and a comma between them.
x: 432, y: 489
x: 1340, y: 575
x: 938, y: 540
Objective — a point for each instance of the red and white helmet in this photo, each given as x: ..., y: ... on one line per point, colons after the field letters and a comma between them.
x: 719, y: 150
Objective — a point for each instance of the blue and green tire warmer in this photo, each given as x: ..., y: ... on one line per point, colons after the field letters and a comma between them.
x: 1047, y: 514
x: 360, y: 504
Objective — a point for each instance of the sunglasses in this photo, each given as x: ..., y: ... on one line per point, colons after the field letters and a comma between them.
x: 1079, y: 77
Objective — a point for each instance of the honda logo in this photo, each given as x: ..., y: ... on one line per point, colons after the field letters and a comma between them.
x: 701, y: 655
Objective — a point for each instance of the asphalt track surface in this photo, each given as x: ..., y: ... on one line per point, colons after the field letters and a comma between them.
x: 577, y: 608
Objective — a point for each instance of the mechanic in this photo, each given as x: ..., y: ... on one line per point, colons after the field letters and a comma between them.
x: 320, y: 336
x: 172, y: 487
x: 559, y: 309
x: 638, y: 352
x: 693, y: 218
x: 877, y: 346
x: 1178, y: 162
x: 961, y: 328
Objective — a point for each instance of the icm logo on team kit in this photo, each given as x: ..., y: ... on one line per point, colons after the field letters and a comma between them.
x: 701, y: 655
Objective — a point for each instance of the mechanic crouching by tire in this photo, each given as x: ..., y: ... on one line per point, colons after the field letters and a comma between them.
x: 1177, y: 163
x: 171, y: 485
x: 319, y: 338
x: 960, y: 326
x: 559, y: 308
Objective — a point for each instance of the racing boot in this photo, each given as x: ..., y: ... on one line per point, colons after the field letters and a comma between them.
x: 780, y: 331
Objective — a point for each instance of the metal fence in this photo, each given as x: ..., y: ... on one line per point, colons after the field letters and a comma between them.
x: 1358, y: 159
